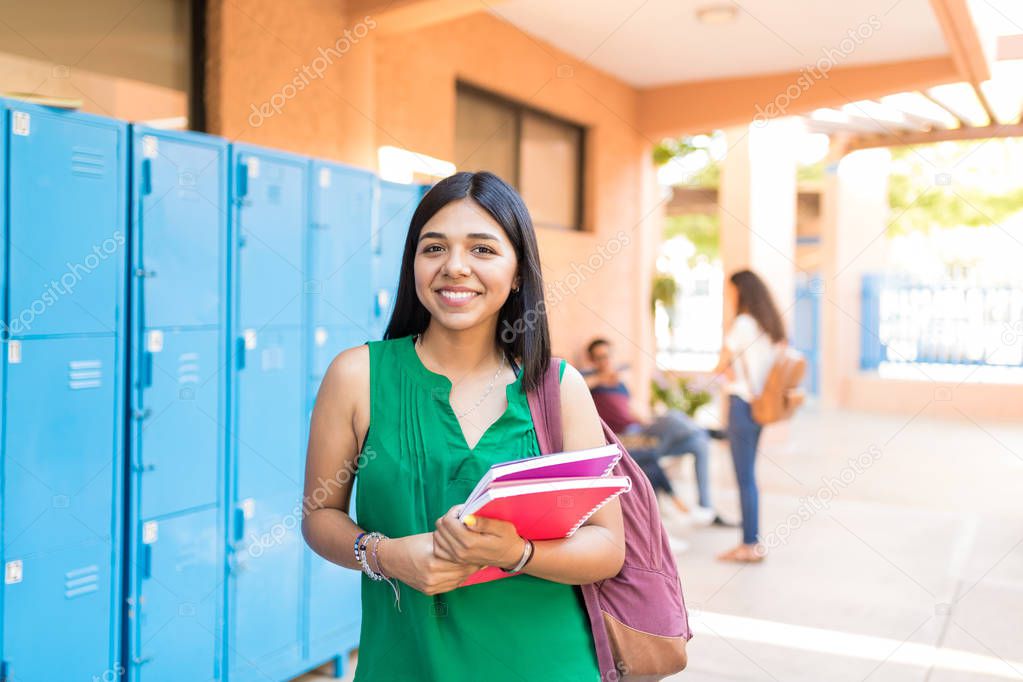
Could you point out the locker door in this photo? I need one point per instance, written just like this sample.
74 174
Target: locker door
342 249
67 216
270 404
181 194
182 426
335 604
180 263
3 351
272 198
397 203
265 533
61 462
177 620
266 633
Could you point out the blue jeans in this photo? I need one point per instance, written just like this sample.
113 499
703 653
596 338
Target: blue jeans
697 443
743 437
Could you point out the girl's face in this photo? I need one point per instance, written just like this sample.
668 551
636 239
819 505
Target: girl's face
465 266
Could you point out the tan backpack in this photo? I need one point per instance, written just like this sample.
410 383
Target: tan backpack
781 395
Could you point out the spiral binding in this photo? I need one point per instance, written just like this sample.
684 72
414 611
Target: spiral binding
598 506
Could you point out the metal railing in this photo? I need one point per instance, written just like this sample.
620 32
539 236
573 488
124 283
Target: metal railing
952 322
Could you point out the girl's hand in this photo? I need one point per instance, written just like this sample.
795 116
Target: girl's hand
413 561
489 542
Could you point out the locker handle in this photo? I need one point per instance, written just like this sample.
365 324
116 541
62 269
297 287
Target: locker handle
141 660
147 369
147 561
243 180
147 177
239 524
240 346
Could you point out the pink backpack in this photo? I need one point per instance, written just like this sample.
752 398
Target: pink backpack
639 620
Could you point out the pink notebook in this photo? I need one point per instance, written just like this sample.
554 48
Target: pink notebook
542 509
591 462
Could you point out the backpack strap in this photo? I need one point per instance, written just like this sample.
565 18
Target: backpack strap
545 407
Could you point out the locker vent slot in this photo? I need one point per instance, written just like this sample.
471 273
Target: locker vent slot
81 581
188 368
87 162
84 374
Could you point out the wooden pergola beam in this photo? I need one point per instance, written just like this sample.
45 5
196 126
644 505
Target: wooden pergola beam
921 122
963 122
985 103
966 133
963 39
698 106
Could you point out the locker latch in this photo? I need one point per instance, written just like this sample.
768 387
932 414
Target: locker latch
5 671
142 272
141 414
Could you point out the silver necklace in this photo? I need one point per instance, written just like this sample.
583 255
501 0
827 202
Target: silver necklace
490 387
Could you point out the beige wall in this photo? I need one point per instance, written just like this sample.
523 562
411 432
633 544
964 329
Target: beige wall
399 89
377 87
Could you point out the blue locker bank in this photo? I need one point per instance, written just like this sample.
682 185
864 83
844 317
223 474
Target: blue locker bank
65 235
170 304
265 546
178 412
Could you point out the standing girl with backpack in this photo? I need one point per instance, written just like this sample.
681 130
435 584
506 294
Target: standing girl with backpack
749 350
423 414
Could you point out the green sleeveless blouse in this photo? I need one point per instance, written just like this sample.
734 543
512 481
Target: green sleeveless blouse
415 465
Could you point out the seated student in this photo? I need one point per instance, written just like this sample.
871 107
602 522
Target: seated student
676 434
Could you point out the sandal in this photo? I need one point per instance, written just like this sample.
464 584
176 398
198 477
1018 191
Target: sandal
744 554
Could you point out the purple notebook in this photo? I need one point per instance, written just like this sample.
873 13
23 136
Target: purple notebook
579 463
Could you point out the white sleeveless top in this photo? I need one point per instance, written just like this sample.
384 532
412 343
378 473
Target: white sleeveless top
751 347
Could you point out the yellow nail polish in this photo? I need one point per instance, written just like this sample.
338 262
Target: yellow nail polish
470 520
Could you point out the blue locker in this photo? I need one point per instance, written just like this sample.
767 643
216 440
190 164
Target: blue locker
397 203
271 196
341 313
341 246
179 350
266 547
272 287
3 353
64 235
180 568
66 226
61 518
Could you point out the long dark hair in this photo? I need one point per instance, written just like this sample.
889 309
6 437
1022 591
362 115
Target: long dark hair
522 329
755 299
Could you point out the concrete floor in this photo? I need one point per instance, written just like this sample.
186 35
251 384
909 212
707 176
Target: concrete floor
906 564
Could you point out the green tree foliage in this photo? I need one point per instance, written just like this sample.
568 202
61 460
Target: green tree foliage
702 229
949 185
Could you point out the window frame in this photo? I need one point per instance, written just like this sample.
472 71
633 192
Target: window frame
519 110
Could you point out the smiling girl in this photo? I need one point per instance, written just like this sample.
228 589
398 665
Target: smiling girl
423 414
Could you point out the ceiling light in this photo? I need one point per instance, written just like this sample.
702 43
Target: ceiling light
716 14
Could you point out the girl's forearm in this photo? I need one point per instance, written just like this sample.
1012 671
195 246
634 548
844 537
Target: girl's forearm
331 533
589 555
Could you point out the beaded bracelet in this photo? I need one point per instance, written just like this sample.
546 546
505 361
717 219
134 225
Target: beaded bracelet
360 556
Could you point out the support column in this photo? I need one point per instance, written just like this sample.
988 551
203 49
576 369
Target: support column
854 218
757 203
